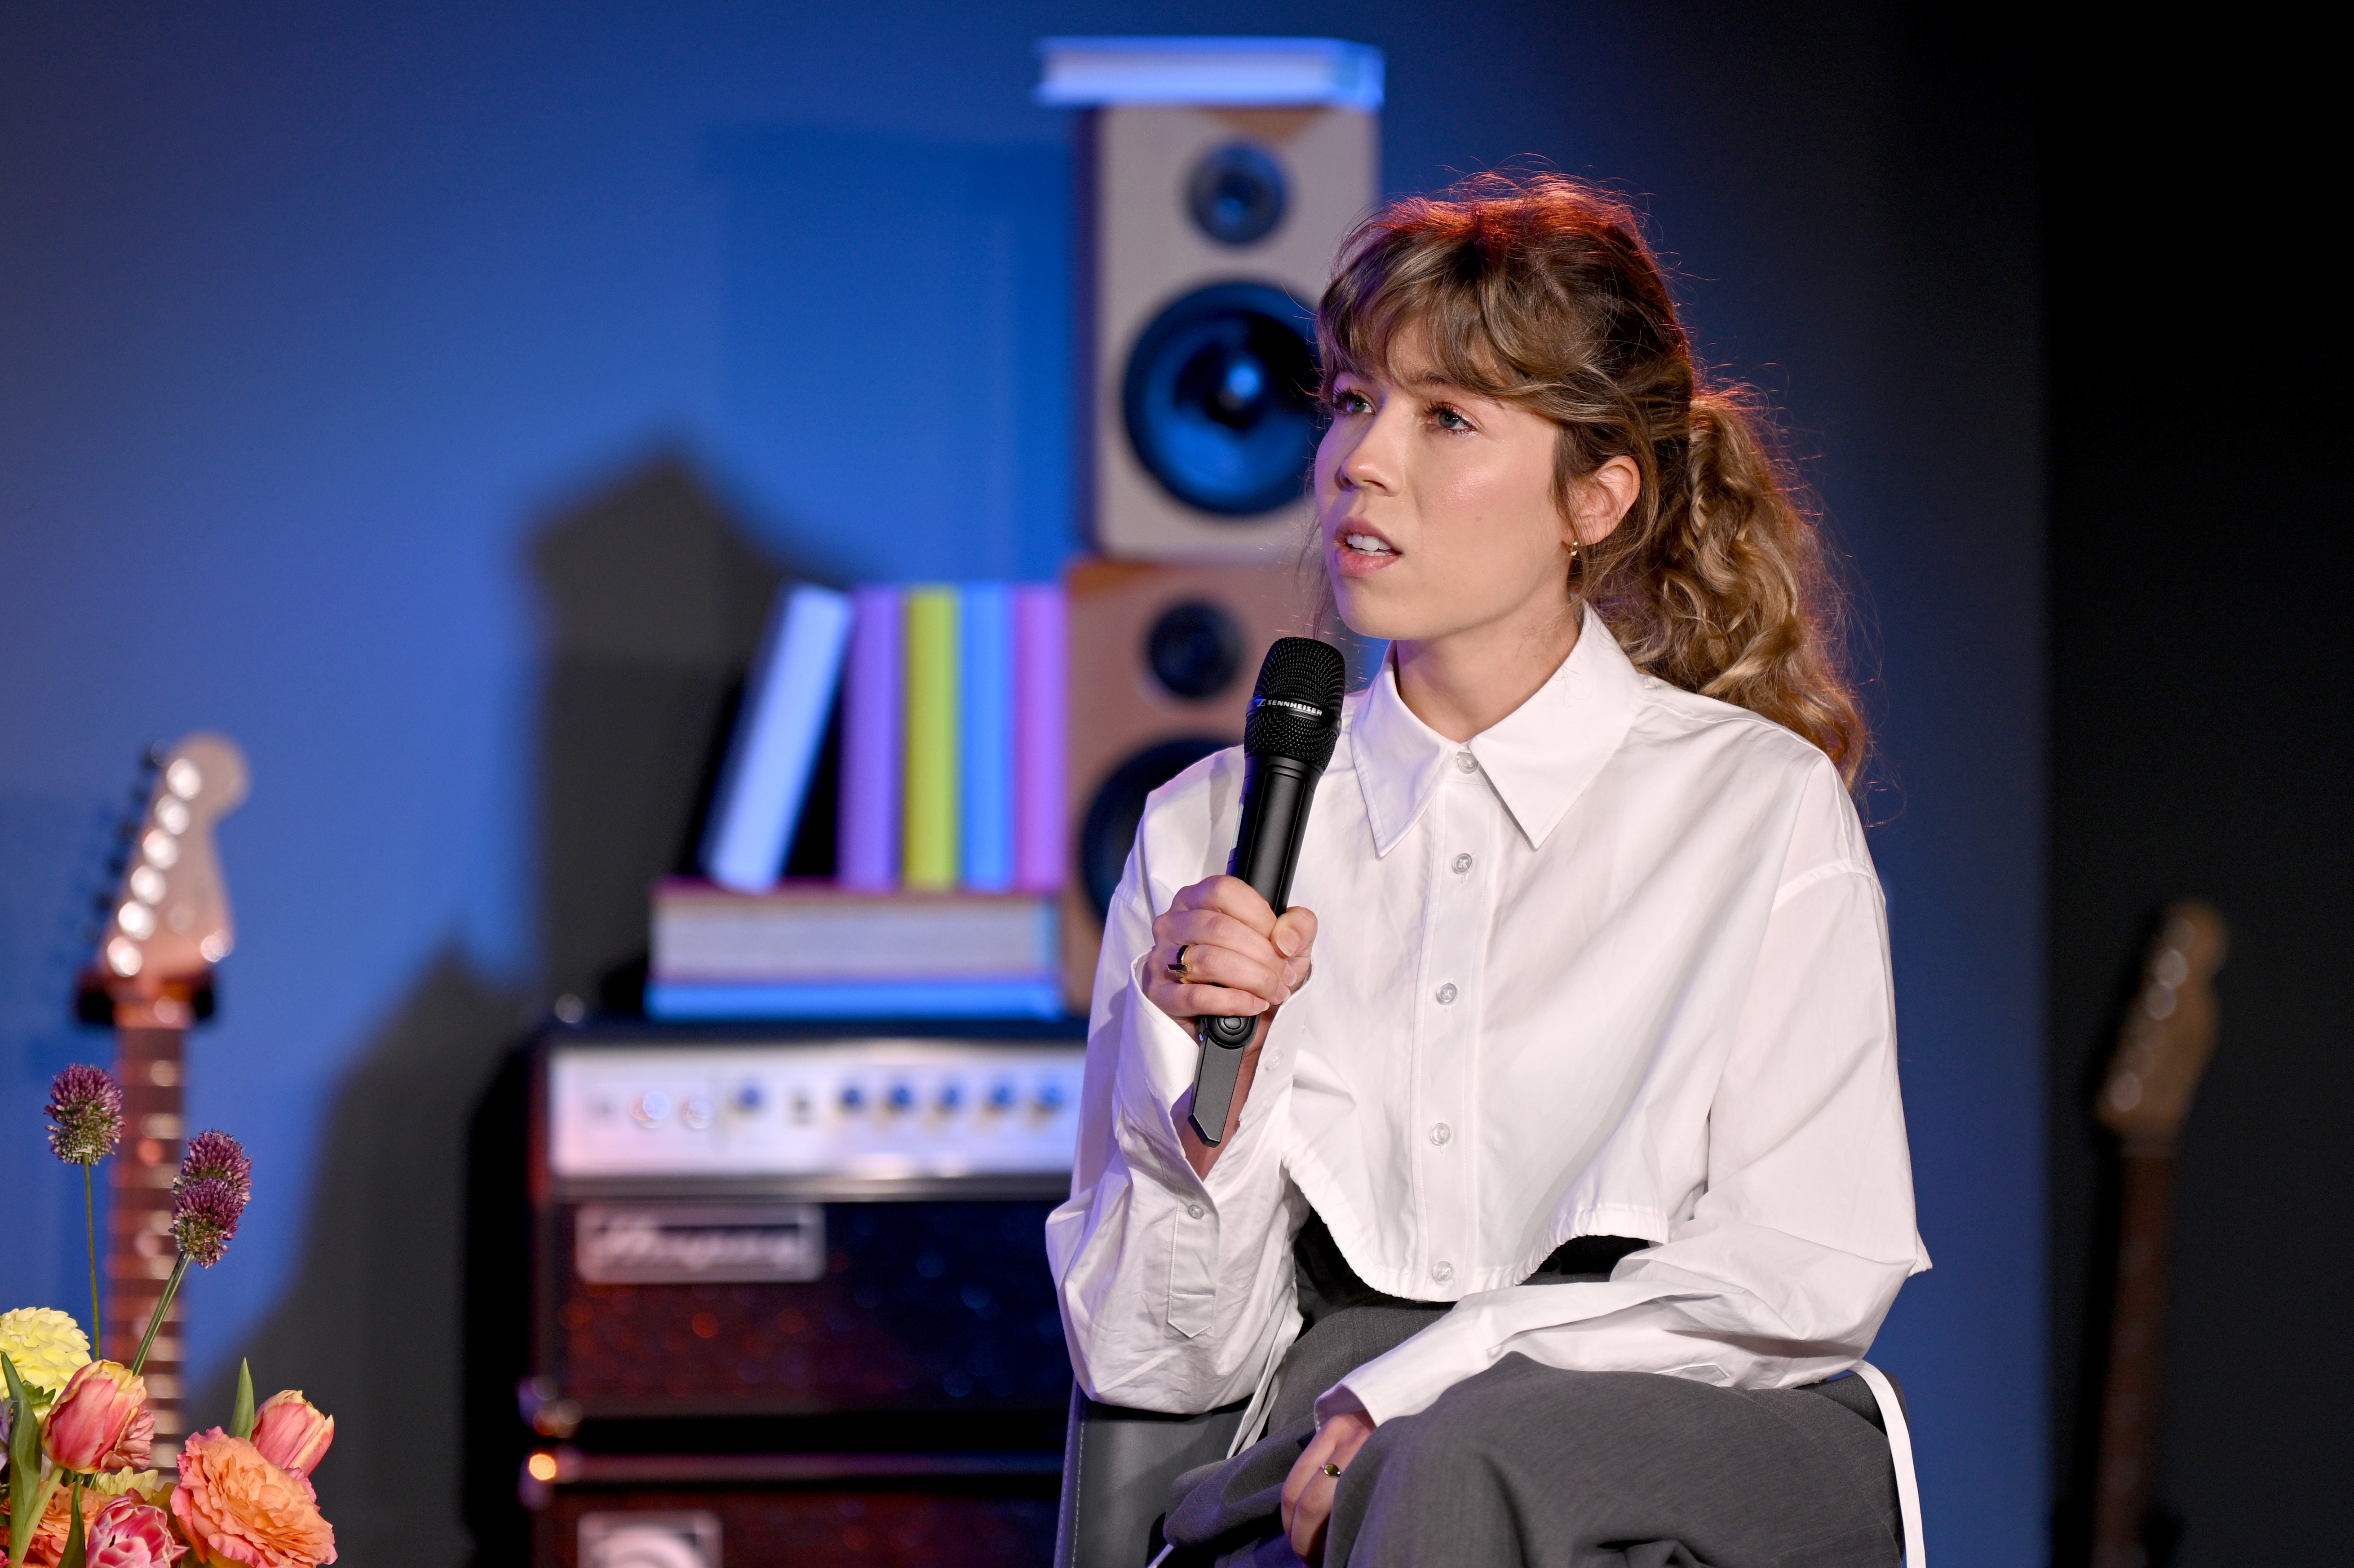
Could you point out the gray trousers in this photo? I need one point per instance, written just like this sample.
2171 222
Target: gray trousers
1527 1464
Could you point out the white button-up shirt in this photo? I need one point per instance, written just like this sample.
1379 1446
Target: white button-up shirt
1617 966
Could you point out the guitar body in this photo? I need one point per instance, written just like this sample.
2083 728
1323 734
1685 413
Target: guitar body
152 978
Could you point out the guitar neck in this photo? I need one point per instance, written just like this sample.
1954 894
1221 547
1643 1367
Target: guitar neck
139 1248
2136 1340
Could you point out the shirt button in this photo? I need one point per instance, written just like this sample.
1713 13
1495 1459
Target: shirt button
1193 1211
1466 763
1445 996
1442 1272
1441 1133
1462 864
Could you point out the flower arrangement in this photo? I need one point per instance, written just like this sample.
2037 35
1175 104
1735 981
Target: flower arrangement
75 1432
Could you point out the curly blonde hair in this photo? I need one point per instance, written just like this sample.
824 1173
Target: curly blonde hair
1540 290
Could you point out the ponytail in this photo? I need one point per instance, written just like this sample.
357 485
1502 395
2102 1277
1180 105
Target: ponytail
1735 600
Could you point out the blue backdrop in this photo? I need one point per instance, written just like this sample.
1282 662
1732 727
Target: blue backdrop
309 314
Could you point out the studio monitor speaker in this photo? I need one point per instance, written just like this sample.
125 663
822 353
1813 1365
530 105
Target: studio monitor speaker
1163 660
1207 235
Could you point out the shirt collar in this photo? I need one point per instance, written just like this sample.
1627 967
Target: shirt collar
1539 758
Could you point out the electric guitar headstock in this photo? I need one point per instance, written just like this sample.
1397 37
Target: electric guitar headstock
2167 1033
169 922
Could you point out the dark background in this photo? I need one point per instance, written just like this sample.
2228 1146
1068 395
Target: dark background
2200 568
427 395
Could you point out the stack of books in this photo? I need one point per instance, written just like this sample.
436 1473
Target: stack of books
818 950
951 840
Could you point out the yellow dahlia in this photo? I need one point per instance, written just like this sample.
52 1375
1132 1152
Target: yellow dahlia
47 1345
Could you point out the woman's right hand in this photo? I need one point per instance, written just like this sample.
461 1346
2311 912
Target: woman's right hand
1238 956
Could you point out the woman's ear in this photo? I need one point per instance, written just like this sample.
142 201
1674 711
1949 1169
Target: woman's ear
1602 499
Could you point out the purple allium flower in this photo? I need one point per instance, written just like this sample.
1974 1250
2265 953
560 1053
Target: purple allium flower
85 1114
204 1212
214 1155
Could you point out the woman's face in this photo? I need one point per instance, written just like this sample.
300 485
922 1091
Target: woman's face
1435 506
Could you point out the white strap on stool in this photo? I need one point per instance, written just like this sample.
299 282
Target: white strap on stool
1899 1448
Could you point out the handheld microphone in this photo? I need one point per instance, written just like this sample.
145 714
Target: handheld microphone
1295 719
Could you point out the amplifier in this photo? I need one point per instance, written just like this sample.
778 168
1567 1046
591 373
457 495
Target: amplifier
792 1299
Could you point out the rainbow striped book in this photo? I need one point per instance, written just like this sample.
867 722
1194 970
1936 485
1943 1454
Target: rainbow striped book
810 950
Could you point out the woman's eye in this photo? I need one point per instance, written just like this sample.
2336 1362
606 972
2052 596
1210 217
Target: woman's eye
1448 419
1351 403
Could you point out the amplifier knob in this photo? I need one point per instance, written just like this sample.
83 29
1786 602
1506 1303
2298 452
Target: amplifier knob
649 1107
1050 1096
951 1096
695 1111
1001 1097
901 1097
853 1097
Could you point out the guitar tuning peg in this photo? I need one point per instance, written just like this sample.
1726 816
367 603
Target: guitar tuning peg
152 759
93 1004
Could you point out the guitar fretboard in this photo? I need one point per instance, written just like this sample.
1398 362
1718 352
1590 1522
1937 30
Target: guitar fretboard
139 1250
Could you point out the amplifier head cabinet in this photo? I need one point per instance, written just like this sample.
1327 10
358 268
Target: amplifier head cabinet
805 1223
793 1301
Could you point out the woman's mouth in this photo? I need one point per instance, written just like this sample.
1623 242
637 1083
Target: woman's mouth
1362 552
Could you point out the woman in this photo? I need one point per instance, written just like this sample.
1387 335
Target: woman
1571 1161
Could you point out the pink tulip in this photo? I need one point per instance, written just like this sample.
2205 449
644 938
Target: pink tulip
134 1450
94 1415
292 1433
129 1533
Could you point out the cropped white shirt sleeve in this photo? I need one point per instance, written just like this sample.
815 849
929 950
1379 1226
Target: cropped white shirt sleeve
1617 966
1174 1288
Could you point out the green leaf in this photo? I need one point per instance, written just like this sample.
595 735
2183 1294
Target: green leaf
77 1552
24 1465
240 1418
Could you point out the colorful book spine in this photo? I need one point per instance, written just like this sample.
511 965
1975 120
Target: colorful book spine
873 764
1040 679
928 855
778 734
985 735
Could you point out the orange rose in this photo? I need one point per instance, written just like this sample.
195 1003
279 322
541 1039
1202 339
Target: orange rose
93 1415
49 1543
236 1507
292 1433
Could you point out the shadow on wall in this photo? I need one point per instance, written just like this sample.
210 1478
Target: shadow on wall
369 1328
653 603
408 1314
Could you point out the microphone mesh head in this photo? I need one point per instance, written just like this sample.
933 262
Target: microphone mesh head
1296 708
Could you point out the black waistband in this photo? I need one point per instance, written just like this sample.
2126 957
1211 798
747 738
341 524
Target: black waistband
1327 1283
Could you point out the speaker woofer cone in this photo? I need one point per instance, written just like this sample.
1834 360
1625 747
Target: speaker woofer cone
1236 194
1110 830
1220 399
